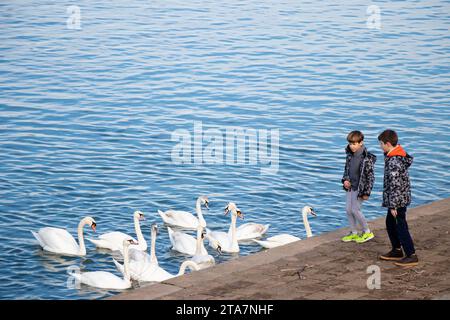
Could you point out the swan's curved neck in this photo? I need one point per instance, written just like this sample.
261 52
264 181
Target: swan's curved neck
126 262
234 242
192 265
198 249
306 223
82 247
153 258
198 209
140 237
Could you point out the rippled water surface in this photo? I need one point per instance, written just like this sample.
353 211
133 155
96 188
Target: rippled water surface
87 116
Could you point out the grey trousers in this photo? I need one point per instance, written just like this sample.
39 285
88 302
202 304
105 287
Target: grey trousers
354 214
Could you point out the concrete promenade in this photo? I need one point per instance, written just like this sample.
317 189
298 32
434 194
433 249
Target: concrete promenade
323 267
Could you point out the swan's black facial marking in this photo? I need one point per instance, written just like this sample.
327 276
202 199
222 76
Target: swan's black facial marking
131 241
227 210
219 250
141 216
206 204
313 212
93 226
240 214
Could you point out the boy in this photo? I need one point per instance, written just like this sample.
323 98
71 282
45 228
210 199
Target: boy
396 197
358 182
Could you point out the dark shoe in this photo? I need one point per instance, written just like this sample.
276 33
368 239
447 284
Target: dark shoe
393 255
410 261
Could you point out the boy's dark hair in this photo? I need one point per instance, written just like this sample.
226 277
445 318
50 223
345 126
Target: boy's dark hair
355 136
389 136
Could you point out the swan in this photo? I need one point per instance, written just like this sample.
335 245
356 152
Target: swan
107 280
114 240
60 241
200 258
283 239
140 260
186 243
158 274
186 219
226 242
250 230
146 268
138 255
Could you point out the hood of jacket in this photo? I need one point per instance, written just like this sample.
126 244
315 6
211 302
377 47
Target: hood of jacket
401 154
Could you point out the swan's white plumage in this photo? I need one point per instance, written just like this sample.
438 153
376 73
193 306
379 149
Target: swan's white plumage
103 280
277 241
111 240
114 240
183 242
107 280
182 219
56 240
283 239
250 230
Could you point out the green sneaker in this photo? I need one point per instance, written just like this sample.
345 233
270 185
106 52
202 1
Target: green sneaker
350 237
366 236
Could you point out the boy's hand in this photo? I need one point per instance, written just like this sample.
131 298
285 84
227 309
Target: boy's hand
347 184
365 197
394 213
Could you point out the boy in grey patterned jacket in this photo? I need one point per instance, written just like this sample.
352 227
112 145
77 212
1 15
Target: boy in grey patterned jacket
396 197
358 181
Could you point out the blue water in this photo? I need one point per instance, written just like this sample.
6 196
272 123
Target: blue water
87 116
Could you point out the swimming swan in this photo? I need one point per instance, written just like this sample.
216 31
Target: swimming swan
186 219
200 258
158 274
250 230
283 239
226 242
145 268
185 243
107 280
60 241
114 240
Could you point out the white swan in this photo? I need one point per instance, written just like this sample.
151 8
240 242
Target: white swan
142 256
141 260
158 274
60 241
200 258
114 240
223 241
145 268
186 219
250 230
185 243
107 280
283 239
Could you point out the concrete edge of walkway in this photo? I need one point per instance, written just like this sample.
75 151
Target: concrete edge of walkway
198 278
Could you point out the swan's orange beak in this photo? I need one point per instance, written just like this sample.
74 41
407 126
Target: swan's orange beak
93 226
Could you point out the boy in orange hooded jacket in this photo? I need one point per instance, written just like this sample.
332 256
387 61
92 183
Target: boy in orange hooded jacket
396 197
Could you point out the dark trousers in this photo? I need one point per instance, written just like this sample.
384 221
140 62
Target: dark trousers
397 229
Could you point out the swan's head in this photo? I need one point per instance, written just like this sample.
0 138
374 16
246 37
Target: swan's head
203 234
128 242
155 228
138 215
309 210
91 222
234 210
204 201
